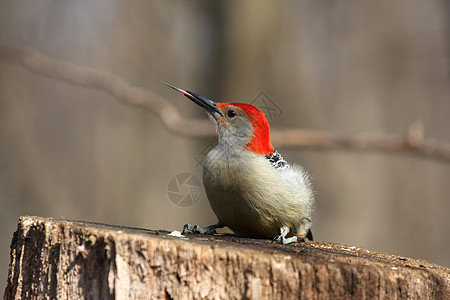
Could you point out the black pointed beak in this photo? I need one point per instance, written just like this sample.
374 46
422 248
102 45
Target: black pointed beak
209 105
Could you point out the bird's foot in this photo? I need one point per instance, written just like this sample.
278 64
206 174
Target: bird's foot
278 239
211 229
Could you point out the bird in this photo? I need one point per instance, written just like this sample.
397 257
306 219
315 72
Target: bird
250 187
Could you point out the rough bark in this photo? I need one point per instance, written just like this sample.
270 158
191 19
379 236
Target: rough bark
77 260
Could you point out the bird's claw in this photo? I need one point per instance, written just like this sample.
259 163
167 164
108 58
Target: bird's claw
198 230
278 239
189 228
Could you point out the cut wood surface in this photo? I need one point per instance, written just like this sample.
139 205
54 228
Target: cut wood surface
63 259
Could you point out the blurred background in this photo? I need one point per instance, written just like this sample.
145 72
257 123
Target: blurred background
72 152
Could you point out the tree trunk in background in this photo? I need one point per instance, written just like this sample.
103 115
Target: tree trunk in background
77 260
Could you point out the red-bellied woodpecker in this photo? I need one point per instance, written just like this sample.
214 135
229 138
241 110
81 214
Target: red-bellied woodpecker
249 185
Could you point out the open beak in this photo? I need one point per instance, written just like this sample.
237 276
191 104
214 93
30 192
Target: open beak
209 105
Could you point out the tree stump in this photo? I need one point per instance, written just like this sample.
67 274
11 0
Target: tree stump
63 259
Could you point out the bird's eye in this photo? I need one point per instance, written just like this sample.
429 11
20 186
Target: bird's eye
231 113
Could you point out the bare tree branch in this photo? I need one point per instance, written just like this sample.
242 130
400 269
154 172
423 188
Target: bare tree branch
58 69
412 143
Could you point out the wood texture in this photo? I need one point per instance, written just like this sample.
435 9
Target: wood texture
77 260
